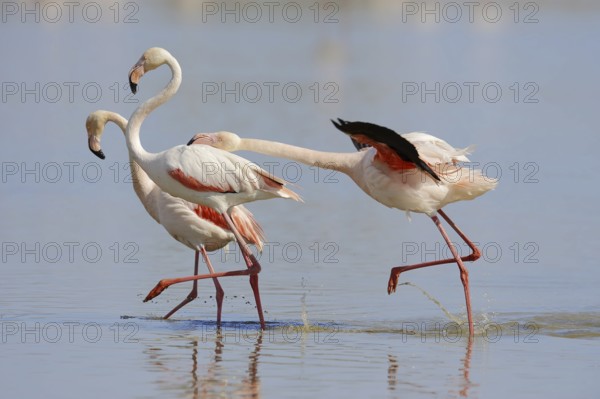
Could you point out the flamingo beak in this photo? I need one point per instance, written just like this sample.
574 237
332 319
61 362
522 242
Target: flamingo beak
135 74
94 146
201 138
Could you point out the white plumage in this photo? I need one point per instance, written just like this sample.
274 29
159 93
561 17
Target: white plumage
181 170
383 174
199 228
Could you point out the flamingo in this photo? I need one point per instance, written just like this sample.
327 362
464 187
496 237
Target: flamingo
395 170
197 227
200 174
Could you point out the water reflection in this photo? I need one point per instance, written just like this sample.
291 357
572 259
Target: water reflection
251 384
208 376
392 372
464 383
466 380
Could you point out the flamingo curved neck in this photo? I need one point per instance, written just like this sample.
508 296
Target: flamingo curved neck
142 184
140 155
342 162
118 120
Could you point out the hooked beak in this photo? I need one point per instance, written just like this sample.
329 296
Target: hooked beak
94 146
191 141
201 138
135 74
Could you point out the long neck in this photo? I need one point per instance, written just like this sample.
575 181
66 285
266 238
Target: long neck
135 122
143 186
342 162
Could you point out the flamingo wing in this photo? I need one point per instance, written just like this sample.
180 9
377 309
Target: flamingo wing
392 148
437 151
248 226
206 169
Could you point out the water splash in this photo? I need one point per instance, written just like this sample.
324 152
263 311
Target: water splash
304 313
434 300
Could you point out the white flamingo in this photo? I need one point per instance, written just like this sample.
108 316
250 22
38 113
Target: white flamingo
200 174
397 171
197 227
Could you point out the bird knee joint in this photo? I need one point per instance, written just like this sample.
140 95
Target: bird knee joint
476 254
255 269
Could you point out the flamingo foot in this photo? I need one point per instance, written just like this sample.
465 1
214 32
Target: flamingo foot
189 298
393 281
157 290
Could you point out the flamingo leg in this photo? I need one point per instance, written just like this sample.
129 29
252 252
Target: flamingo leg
219 290
253 268
193 293
252 263
475 254
166 283
248 258
464 275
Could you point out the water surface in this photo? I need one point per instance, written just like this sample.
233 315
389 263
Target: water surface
79 253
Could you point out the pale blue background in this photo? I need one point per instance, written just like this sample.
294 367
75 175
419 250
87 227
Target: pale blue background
536 284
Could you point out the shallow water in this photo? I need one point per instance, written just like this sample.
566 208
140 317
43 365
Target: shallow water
79 253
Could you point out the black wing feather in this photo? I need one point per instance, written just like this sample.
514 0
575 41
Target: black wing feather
404 148
359 146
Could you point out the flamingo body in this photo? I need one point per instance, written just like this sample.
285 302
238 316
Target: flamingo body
198 174
415 172
181 171
200 228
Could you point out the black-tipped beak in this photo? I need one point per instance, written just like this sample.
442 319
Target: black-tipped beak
99 153
135 74
191 141
133 86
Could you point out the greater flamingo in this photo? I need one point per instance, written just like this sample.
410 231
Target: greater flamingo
200 174
195 226
397 171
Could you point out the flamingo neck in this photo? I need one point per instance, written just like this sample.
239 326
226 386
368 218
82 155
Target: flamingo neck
142 184
342 162
117 120
140 155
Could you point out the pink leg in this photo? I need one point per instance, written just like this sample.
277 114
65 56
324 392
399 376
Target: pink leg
166 283
464 275
252 271
193 293
476 254
252 263
219 290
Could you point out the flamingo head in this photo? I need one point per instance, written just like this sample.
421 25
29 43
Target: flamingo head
151 59
94 124
225 141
